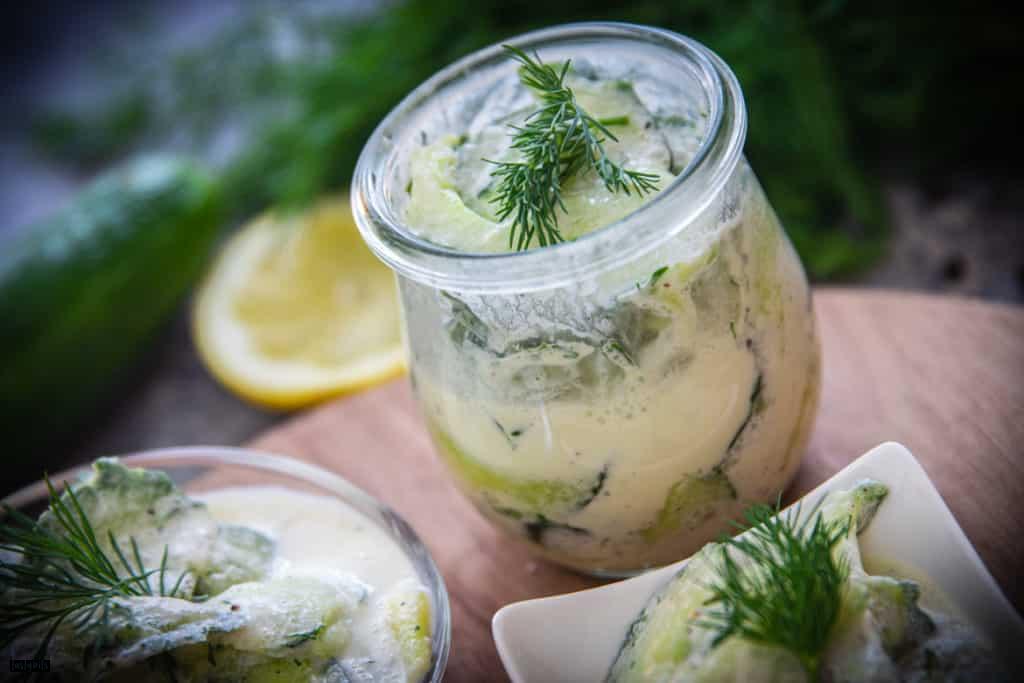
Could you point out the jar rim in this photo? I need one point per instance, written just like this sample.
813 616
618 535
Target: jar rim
631 236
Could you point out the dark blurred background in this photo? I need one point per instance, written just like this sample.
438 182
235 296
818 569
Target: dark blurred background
885 133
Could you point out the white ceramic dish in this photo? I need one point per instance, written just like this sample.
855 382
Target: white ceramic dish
575 637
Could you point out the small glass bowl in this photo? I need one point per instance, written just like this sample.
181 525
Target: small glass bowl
198 469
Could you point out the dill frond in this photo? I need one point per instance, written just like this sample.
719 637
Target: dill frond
780 583
556 141
66 575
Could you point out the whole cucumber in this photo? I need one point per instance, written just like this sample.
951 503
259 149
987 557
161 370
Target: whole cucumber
83 292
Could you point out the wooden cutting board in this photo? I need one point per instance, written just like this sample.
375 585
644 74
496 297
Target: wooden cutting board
943 376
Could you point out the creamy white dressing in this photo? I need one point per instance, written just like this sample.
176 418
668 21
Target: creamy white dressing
323 538
313 535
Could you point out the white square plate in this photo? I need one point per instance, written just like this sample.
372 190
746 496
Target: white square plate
575 637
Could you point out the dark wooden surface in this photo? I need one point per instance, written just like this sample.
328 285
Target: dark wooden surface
944 376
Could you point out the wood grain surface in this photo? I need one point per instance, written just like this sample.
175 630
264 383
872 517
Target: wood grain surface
943 376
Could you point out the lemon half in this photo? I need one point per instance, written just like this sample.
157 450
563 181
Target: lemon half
296 309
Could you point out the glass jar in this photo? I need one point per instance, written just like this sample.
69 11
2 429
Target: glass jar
614 400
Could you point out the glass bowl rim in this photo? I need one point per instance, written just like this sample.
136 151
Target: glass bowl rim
330 483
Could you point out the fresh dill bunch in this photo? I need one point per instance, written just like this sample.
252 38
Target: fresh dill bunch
66 575
787 589
556 141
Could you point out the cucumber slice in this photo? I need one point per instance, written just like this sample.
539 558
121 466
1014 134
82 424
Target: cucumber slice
407 613
290 617
742 661
141 628
527 497
283 670
435 208
754 406
239 555
145 505
662 637
689 502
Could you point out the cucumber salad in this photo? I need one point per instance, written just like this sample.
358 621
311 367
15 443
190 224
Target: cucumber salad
617 424
790 601
126 578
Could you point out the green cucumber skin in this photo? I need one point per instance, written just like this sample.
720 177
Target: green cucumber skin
84 291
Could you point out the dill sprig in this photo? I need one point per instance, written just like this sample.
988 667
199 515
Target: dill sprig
556 141
788 587
66 575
